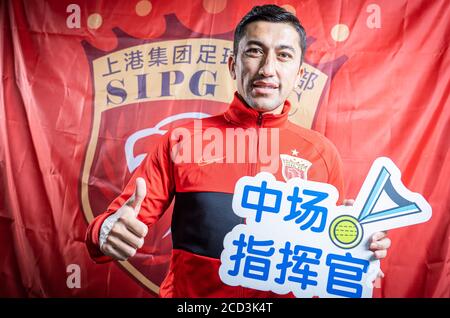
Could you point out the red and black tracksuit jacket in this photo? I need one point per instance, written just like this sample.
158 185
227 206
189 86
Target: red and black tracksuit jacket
203 192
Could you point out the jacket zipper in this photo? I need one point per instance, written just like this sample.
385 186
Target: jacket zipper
255 165
258 126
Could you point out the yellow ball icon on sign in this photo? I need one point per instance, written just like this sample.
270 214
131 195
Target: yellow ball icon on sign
346 232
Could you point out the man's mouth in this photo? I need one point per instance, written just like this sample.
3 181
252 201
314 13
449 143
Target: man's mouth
263 87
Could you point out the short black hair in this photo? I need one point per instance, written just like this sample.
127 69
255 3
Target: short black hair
269 13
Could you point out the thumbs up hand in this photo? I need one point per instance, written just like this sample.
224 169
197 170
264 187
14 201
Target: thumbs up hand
127 232
138 197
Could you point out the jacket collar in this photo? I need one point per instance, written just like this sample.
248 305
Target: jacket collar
242 115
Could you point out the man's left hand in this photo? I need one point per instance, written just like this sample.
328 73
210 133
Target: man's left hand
379 244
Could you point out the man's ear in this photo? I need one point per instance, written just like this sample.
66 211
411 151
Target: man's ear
232 66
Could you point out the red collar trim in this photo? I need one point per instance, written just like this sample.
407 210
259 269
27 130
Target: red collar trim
241 114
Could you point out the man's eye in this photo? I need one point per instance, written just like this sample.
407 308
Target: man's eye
285 55
254 51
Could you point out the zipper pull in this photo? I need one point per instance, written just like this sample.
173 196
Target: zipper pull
260 118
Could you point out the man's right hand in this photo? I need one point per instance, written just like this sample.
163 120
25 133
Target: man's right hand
128 233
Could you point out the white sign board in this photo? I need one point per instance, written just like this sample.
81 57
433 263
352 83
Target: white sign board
295 238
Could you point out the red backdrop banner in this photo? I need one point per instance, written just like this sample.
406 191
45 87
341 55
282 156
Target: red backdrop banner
89 87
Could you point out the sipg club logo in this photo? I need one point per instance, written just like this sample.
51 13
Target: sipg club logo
144 87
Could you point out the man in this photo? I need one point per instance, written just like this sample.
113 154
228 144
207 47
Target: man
269 46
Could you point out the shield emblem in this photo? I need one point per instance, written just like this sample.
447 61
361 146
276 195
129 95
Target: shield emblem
141 89
294 167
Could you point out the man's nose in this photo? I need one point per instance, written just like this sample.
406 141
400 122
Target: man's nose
267 68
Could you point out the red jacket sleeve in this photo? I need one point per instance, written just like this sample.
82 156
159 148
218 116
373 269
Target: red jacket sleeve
157 171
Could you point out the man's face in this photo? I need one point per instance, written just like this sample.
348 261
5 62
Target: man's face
267 65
